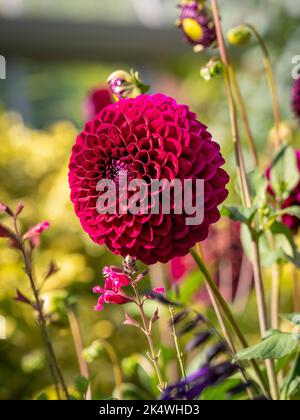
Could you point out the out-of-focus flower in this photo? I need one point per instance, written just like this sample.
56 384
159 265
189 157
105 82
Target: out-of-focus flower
180 267
195 384
126 85
296 98
5 209
240 35
97 100
151 138
34 233
196 24
112 292
293 199
159 290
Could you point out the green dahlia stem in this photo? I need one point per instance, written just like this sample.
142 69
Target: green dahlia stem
271 80
53 364
153 355
275 295
246 198
224 328
244 116
296 289
176 343
117 371
225 308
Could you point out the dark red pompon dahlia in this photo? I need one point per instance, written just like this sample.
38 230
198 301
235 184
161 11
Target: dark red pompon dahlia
148 138
296 98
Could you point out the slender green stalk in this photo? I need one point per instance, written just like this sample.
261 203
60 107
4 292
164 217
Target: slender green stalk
176 343
296 289
116 367
75 330
275 295
246 198
54 367
225 308
271 80
244 116
153 355
228 338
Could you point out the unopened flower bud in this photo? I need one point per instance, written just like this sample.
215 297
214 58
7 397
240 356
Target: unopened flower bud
240 35
126 85
212 69
196 24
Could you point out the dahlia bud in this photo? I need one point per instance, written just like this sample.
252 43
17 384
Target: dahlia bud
212 69
240 35
126 85
196 24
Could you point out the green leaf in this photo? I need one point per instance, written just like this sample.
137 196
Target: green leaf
267 256
291 385
81 385
293 318
258 186
190 286
239 214
292 211
284 174
43 397
275 345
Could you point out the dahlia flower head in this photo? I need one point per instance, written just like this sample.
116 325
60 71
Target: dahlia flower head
150 137
296 98
196 24
292 222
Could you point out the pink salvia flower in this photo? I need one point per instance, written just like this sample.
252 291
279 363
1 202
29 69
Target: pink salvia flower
159 290
112 292
33 235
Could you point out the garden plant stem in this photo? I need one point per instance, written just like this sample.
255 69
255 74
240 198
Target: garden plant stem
75 330
41 318
271 80
259 287
244 116
176 343
275 295
116 367
296 289
154 356
225 308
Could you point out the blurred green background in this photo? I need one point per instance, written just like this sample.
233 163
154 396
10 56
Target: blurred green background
56 52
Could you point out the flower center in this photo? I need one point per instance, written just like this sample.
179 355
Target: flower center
117 170
192 29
